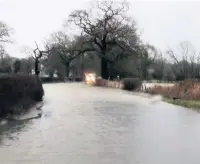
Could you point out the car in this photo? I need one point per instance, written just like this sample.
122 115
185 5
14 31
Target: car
90 78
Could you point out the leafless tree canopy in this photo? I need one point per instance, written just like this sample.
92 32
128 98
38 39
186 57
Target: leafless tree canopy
2 51
185 60
107 26
67 48
4 38
111 26
4 33
37 55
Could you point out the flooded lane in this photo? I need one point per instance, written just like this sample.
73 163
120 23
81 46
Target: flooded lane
89 125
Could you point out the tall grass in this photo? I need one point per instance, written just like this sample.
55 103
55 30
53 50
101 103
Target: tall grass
107 83
186 90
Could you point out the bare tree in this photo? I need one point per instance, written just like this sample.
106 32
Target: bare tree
158 66
148 54
2 52
4 33
110 28
184 59
68 49
5 61
197 66
17 66
37 55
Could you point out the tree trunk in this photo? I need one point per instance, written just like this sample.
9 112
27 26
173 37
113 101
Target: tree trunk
67 69
82 68
37 71
104 69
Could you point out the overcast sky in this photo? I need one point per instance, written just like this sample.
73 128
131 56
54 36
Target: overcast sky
162 23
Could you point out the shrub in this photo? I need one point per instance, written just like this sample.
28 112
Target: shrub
131 84
78 79
19 91
59 79
51 79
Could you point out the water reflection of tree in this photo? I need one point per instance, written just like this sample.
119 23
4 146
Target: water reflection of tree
12 129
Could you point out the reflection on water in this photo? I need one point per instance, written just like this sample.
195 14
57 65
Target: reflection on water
11 129
90 125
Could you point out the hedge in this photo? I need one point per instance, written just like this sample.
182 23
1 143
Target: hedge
18 93
131 84
57 79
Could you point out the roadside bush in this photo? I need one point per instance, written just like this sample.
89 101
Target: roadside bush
18 93
51 79
131 84
59 79
78 79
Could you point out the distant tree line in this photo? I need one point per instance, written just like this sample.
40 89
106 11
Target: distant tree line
108 44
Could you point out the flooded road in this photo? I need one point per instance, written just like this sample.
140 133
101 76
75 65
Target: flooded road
88 125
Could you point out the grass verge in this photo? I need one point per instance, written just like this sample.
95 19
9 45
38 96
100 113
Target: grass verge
194 104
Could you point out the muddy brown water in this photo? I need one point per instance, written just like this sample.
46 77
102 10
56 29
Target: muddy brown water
88 125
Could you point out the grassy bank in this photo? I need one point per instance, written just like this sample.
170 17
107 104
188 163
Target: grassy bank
185 103
18 93
186 93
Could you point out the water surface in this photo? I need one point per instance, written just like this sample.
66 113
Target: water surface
87 125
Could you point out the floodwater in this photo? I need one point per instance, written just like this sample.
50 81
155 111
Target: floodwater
88 125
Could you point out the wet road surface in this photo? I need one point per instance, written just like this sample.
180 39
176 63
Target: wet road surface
88 125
